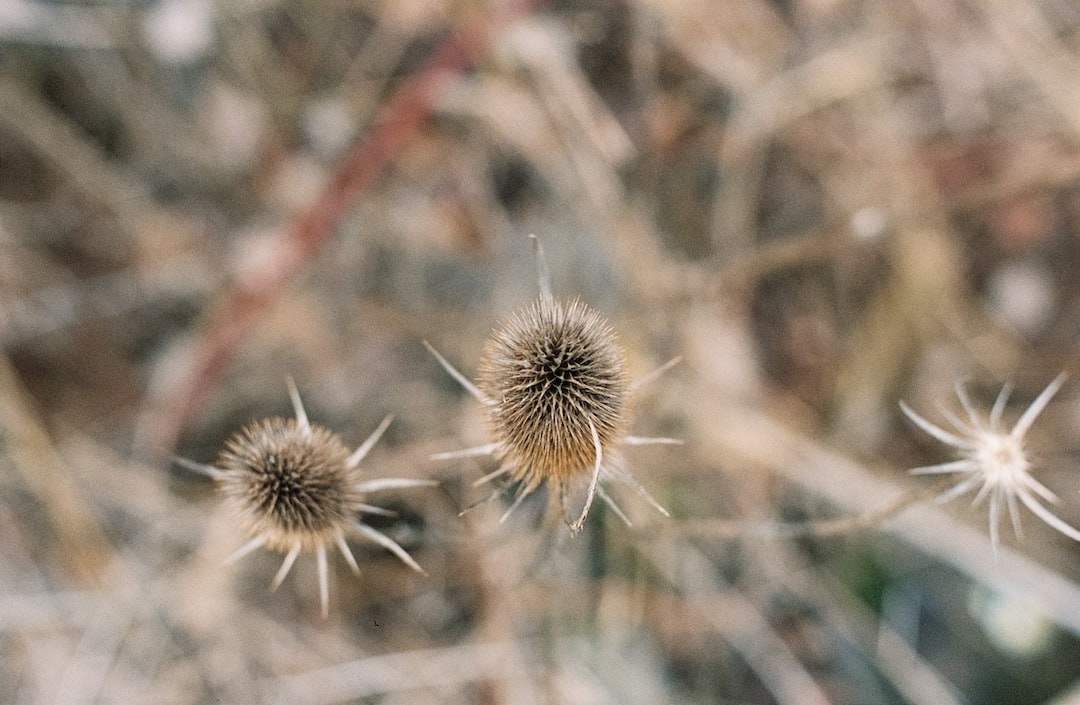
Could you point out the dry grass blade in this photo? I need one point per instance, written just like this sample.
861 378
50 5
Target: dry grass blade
403 671
80 541
740 623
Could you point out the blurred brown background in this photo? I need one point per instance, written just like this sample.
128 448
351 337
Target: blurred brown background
823 206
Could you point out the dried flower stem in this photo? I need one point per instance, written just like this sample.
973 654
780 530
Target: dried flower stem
817 528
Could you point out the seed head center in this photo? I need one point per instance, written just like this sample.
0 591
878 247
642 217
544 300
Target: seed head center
557 375
290 482
1001 459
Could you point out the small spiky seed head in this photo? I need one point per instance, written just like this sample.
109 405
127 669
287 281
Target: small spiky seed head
290 485
995 460
296 488
553 374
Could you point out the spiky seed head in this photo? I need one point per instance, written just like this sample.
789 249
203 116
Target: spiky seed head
289 484
995 460
296 487
555 394
552 374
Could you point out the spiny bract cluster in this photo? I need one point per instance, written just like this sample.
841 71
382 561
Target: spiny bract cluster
296 487
556 397
994 459
287 485
556 379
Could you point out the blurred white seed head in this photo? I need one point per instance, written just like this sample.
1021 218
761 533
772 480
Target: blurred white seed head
995 460
556 400
297 488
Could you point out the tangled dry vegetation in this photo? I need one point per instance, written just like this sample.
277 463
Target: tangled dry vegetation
824 207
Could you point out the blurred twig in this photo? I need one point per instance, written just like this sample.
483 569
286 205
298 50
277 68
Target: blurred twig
178 394
82 544
424 668
1033 44
820 528
90 172
739 622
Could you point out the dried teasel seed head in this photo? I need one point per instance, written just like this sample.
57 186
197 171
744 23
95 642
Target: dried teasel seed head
556 398
297 488
289 485
556 377
995 459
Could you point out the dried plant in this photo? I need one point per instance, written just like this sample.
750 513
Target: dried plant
994 459
822 207
297 488
555 393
